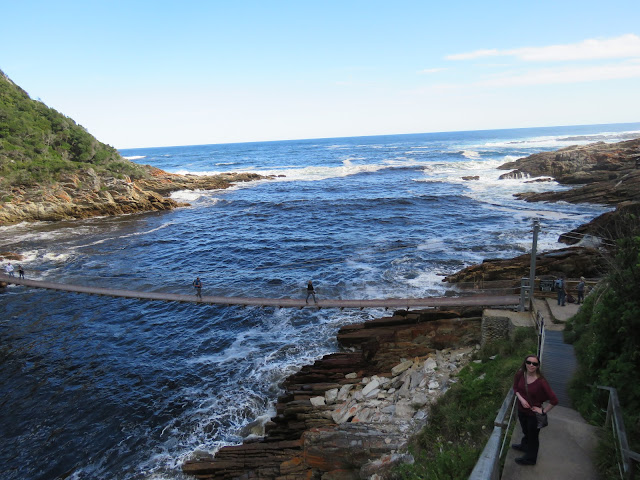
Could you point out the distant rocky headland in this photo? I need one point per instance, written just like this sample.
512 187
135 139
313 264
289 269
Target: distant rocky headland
86 193
600 173
51 168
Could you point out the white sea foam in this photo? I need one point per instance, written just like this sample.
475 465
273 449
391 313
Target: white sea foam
315 173
56 257
136 157
134 234
470 154
435 245
428 282
559 141
193 196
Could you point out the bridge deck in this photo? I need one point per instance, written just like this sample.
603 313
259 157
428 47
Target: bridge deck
476 300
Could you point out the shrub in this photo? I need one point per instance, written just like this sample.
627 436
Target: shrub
39 144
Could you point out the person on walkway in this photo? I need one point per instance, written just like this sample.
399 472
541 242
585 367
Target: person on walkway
580 288
197 283
20 272
562 291
9 269
532 391
311 291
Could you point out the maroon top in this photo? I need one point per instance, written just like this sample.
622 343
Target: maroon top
539 392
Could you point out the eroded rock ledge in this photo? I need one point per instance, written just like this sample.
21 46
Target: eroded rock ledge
350 414
604 173
601 173
86 194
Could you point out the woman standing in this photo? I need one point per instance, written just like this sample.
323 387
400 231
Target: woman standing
532 390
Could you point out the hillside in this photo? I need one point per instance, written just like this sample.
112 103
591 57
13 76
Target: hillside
39 144
52 169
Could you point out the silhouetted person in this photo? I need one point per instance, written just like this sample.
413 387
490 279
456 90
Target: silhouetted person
580 289
20 272
198 286
311 291
562 291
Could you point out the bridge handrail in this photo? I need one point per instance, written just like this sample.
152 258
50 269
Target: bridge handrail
614 418
468 300
488 465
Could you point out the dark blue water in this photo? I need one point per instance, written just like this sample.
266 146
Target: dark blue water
112 388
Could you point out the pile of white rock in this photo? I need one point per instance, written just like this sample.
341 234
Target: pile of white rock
398 399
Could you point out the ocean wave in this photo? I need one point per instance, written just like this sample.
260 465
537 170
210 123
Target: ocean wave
193 196
559 141
470 154
134 234
135 157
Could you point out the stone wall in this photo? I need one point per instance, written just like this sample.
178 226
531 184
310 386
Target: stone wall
495 327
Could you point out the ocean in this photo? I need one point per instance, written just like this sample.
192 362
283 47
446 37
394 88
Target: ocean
95 387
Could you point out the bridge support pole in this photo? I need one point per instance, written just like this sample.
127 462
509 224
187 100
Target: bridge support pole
534 251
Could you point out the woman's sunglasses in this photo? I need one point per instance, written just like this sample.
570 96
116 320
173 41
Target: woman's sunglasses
535 364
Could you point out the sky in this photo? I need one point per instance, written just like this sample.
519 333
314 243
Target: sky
162 73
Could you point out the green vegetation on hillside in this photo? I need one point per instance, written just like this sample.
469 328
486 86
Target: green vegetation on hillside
461 421
606 337
39 144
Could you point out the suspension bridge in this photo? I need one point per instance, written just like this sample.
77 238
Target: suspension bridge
470 300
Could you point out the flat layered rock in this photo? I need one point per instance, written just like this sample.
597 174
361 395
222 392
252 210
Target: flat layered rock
351 412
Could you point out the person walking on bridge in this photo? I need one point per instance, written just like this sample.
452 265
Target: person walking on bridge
532 390
9 269
197 283
310 291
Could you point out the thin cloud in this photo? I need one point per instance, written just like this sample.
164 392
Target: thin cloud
625 46
428 71
549 76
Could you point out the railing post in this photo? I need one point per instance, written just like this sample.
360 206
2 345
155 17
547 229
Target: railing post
614 417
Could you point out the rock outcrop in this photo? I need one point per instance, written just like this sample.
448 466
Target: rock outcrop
350 415
572 262
86 194
601 173
604 173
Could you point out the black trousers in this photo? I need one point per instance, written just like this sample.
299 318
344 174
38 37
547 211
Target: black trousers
530 432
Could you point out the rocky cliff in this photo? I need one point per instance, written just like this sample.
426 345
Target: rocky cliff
601 173
351 414
605 173
85 193
51 168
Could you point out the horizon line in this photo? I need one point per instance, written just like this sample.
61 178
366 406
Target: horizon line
377 135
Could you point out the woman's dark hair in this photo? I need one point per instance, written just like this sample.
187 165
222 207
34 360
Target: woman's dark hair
523 367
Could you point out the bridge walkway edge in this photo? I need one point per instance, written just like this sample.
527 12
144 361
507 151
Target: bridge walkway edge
475 300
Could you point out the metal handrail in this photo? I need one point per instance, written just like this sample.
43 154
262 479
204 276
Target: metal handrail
487 466
614 418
